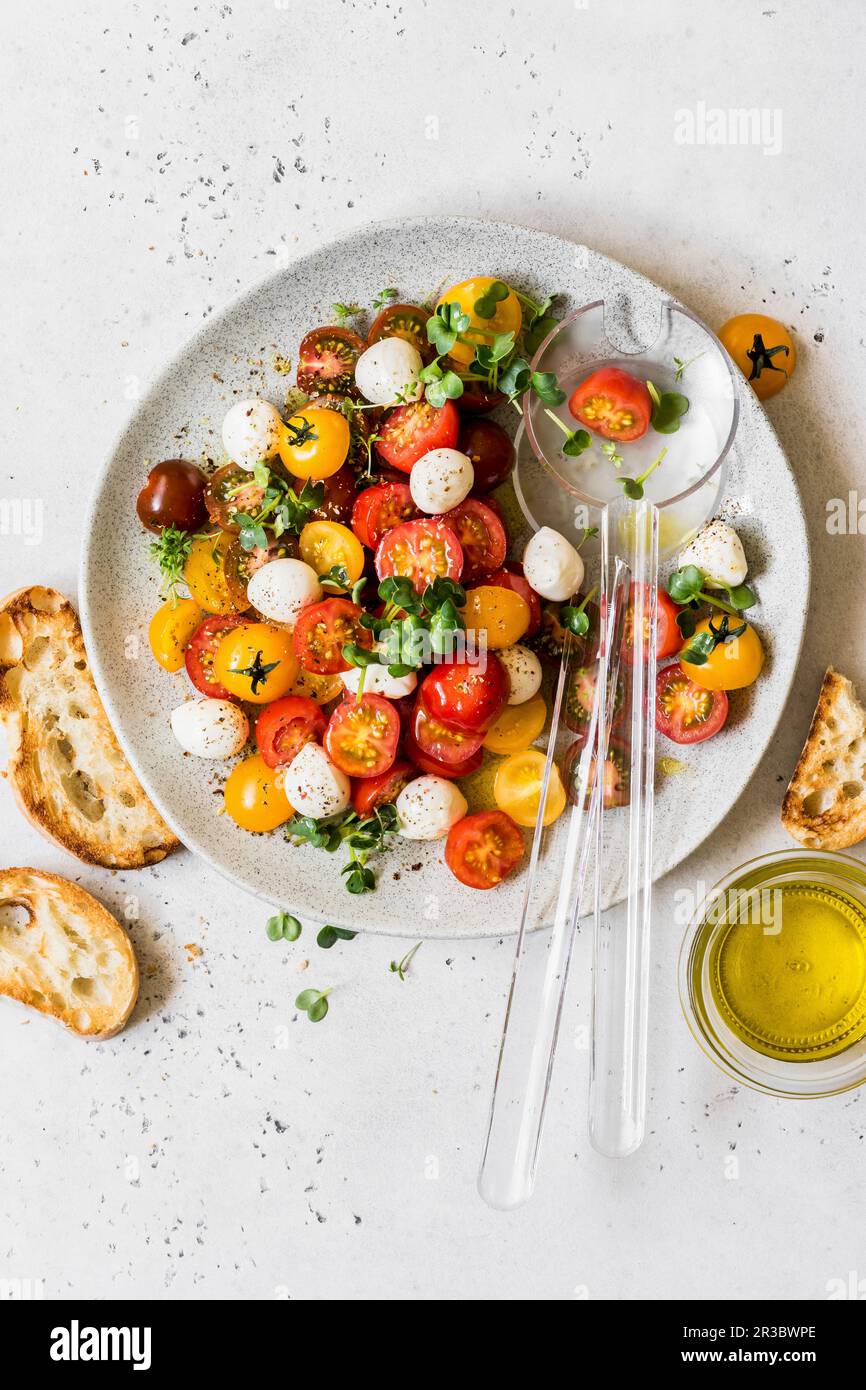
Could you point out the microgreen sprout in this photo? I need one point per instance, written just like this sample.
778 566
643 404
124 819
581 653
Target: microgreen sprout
576 441
313 1003
680 366
575 618
329 936
171 553
363 836
384 297
399 967
485 307
610 451
633 487
668 407
688 586
283 927
342 312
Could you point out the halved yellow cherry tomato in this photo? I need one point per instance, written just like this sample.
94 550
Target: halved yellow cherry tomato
315 443
507 317
498 616
254 797
517 788
517 727
763 349
324 544
732 664
322 689
170 629
256 662
204 573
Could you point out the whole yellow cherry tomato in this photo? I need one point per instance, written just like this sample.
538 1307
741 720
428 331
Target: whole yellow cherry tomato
324 544
256 662
205 576
507 317
315 443
170 629
731 664
763 349
517 788
496 616
517 727
254 797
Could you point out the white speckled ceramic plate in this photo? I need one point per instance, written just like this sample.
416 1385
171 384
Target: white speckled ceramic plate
182 415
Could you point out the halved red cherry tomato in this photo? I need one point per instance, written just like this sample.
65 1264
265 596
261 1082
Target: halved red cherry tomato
326 361
231 490
201 651
404 321
511 577
481 536
490 450
362 735
669 639
467 694
685 712
445 743
379 509
413 430
481 850
323 629
425 762
580 697
615 778
370 792
285 726
421 551
613 403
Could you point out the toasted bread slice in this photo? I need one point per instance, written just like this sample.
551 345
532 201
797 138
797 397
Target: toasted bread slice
62 953
825 804
65 764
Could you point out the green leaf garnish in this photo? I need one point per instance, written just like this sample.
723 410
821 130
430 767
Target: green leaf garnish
399 967
329 936
384 297
313 1003
171 552
283 927
668 407
485 307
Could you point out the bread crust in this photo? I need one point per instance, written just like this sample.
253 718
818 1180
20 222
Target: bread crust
94 807
825 804
71 960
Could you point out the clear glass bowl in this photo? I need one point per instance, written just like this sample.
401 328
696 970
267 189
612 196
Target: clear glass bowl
816 1077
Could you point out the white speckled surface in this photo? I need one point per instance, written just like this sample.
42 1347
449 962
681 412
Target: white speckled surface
219 1146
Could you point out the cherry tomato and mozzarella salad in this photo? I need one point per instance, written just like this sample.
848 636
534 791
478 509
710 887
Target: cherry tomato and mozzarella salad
340 594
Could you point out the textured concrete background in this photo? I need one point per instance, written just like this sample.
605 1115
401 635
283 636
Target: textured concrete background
160 160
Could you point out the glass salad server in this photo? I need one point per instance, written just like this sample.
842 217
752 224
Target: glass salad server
676 495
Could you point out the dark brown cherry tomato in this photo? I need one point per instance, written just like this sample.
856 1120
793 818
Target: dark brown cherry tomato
229 491
481 536
615 778
467 694
490 450
340 492
362 735
323 630
201 650
240 565
285 726
326 361
173 496
482 849
416 429
406 321
685 712
370 792
379 509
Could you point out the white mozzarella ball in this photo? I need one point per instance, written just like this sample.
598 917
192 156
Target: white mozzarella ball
524 673
251 431
387 370
377 681
281 588
313 785
428 807
440 480
552 566
210 728
718 552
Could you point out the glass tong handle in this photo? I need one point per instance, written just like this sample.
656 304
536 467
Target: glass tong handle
621 940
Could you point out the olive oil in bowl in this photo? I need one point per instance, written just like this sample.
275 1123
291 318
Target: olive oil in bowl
773 973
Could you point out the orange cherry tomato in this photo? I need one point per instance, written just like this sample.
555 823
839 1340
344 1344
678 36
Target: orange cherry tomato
315 442
517 727
171 627
499 617
763 349
205 574
506 318
732 663
256 662
254 796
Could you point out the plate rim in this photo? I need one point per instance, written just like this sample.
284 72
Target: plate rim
87 553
